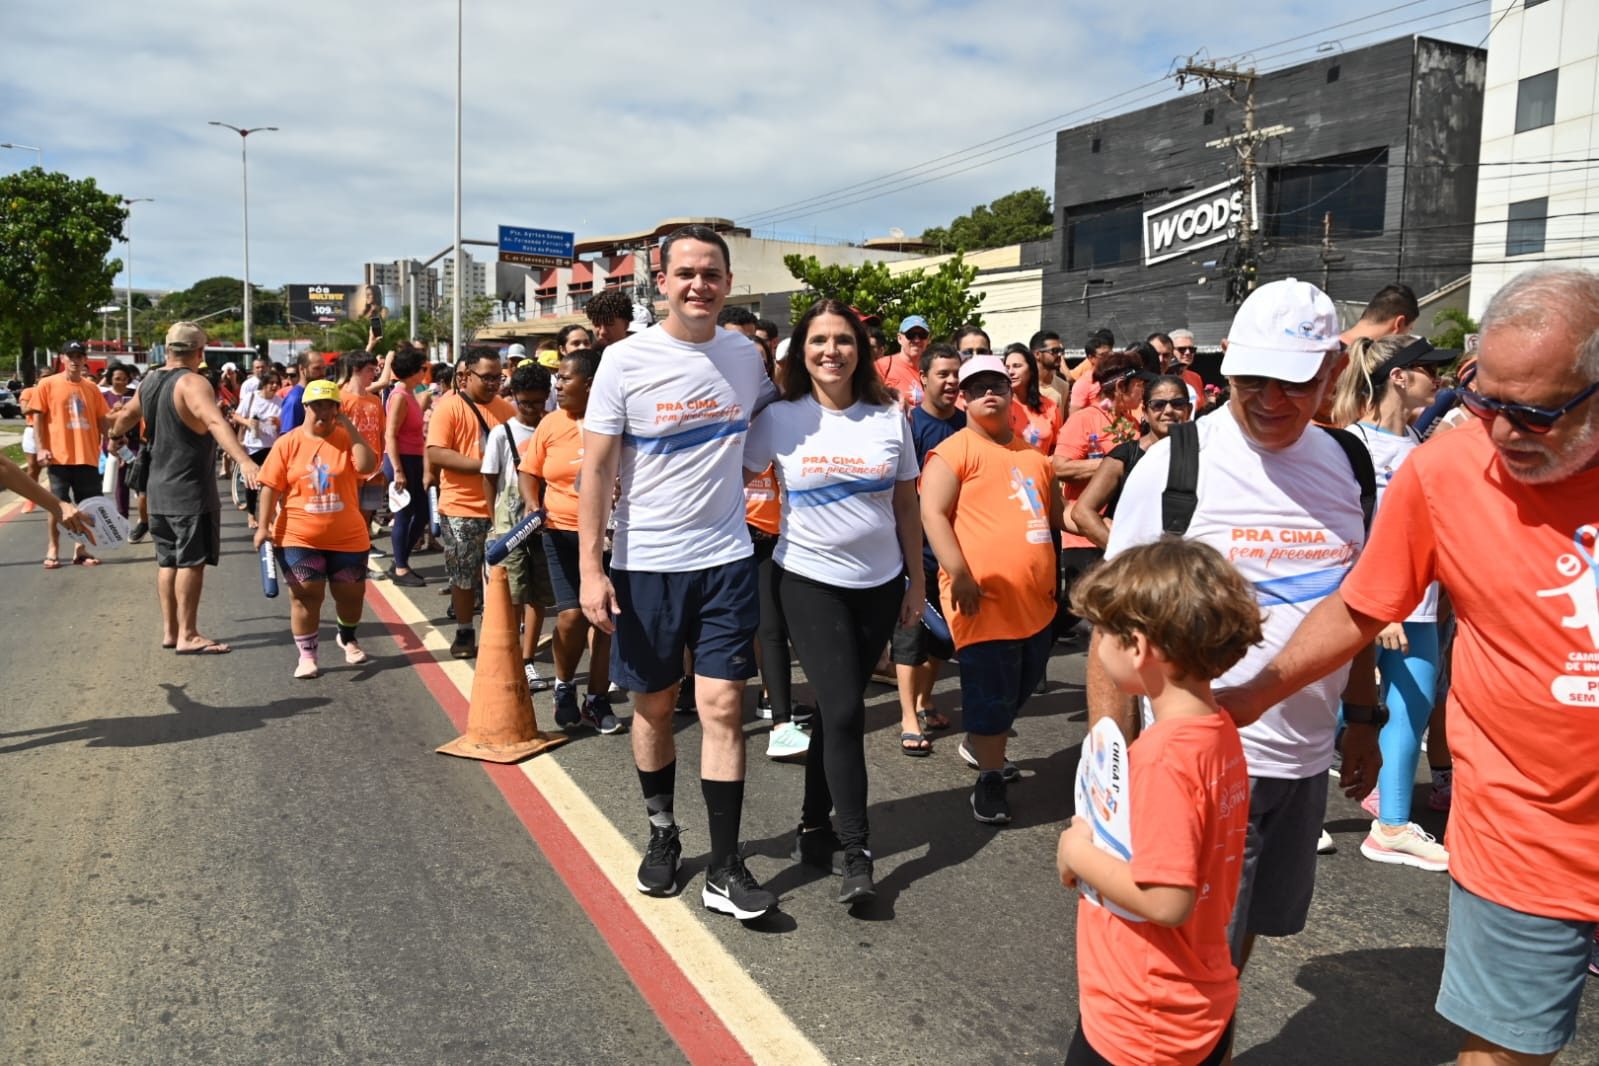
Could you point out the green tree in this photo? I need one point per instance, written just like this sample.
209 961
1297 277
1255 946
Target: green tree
476 314
55 234
1452 325
944 297
1011 219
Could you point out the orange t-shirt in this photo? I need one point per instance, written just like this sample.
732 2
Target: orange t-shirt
27 402
453 425
1518 561
319 490
1036 428
555 454
898 374
1002 525
1073 443
72 414
761 506
1151 993
366 414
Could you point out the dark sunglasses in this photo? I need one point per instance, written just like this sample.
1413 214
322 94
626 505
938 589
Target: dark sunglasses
984 388
1161 405
1052 351
1184 348
976 351
1296 389
1526 417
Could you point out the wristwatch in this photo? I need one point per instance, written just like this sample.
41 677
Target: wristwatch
1375 714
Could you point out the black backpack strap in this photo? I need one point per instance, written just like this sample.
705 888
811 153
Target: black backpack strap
1180 498
1366 474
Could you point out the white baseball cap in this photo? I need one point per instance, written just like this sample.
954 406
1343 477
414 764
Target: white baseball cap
643 318
782 350
1283 330
516 351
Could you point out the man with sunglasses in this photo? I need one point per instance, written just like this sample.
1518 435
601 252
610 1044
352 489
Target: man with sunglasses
457 434
1049 351
1183 350
1519 488
1279 498
902 371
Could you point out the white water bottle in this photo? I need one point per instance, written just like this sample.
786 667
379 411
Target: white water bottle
433 508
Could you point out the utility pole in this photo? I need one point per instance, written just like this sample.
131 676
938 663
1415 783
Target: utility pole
1327 258
1239 85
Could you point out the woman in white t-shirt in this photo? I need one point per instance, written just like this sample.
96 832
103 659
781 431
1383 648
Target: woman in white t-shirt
1385 384
260 414
850 532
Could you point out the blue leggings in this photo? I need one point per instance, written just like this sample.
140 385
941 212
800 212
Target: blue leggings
1409 681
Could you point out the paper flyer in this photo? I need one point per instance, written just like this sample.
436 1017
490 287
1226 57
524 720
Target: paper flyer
1102 798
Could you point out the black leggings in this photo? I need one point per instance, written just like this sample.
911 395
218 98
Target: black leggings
411 522
253 496
838 633
772 636
1082 1053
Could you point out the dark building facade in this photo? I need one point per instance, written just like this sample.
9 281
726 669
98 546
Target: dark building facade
1384 139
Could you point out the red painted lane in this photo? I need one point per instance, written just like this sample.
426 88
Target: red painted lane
690 1021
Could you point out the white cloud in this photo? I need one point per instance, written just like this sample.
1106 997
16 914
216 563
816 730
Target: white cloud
596 118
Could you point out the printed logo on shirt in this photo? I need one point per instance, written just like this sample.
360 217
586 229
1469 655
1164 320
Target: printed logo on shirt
77 413
1025 491
1579 686
323 499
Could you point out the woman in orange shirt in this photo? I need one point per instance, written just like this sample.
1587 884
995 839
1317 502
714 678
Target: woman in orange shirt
549 470
315 472
1034 415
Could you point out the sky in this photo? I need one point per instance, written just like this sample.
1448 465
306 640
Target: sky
597 119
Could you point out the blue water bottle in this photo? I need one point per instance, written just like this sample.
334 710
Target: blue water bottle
497 550
269 571
433 509
1093 447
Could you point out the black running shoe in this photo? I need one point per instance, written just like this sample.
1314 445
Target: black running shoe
597 714
857 887
988 799
820 848
657 874
734 890
463 647
567 712
685 697
138 533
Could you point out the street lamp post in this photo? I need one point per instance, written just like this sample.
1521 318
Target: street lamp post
244 159
127 235
38 153
455 288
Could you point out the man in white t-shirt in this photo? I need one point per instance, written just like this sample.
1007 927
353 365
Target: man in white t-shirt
668 412
1278 498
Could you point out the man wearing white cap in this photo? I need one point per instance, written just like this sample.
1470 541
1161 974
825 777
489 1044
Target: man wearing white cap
1282 501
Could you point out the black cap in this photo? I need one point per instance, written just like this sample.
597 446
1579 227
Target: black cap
75 348
1417 353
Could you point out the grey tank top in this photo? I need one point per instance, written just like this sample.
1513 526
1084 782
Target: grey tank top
183 463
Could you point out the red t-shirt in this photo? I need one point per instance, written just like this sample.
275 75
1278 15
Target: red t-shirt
898 374
1518 561
1154 994
1036 428
1089 433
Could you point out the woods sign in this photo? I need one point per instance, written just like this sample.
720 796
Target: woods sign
1202 218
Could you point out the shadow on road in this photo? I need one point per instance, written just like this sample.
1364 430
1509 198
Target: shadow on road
186 720
1393 981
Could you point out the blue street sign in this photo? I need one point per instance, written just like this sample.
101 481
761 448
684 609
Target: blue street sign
521 244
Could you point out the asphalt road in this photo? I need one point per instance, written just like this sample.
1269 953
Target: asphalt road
206 861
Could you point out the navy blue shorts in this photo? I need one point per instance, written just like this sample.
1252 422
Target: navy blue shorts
997 676
560 556
713 613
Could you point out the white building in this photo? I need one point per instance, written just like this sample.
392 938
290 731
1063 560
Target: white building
1537 191
474 282
392 277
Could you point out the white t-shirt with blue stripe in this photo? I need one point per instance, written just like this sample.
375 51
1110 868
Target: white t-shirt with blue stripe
682 411
837 471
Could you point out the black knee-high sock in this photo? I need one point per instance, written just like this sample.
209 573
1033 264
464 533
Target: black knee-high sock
658 786
724 806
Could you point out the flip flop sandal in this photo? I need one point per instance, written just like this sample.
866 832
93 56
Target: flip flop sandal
86 560
931 721
215 647
52 564
916 752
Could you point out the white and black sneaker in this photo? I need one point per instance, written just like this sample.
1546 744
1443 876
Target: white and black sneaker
1011 771
989 804
535 681
734 890
657 874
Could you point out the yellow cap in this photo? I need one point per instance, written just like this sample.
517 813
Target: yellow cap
320 390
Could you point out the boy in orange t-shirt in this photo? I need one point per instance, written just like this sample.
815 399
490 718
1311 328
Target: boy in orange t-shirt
1157 987
988 504
69 433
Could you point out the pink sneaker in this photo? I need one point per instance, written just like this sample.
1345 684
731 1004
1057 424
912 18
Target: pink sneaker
1370 803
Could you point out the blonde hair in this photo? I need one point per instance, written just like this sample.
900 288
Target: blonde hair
1191 604
1356 391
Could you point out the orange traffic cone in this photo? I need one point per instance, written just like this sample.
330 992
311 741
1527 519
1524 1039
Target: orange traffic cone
500 725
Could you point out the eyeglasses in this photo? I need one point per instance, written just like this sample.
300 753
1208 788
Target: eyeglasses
1156 406
1056 352
489 379
1296 389
1184 348
1529 418
986 388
